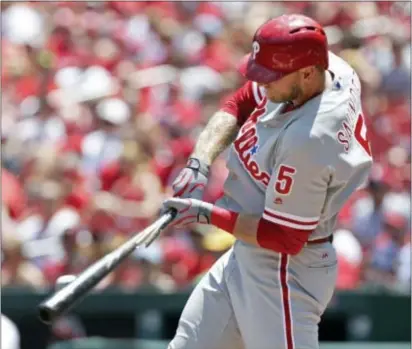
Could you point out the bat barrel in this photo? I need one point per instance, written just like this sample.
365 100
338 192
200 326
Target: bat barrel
53 307
64 299
50 310
46 314
68 296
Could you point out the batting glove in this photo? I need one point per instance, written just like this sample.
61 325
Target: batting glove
189 211
192 180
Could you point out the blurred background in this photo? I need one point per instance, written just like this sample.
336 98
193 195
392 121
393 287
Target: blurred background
102 102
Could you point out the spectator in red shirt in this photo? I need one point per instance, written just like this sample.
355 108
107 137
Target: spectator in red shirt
133 188
13 196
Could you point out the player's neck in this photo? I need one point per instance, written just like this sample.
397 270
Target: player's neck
321 82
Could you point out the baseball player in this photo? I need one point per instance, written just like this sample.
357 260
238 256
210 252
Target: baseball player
298 150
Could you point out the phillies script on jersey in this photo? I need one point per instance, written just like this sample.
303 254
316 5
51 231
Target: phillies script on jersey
246 141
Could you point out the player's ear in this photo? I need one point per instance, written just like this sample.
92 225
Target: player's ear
308 72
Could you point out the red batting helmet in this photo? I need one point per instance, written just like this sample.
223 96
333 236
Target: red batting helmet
283 45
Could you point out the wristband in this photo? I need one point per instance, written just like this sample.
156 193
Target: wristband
223 219
197 165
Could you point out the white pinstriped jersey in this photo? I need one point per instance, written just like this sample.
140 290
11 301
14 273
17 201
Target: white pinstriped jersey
298 168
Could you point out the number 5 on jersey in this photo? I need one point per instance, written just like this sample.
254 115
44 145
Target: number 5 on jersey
284 180
360 128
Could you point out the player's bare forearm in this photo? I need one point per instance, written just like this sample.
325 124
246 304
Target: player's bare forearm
246 228
218 134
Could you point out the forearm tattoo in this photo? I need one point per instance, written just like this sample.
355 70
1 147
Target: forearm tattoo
218 134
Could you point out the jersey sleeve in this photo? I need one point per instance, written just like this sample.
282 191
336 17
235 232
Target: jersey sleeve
298 186
242 102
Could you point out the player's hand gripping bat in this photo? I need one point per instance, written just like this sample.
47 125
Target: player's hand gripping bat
65 298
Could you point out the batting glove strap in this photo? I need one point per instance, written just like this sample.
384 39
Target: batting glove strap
198 165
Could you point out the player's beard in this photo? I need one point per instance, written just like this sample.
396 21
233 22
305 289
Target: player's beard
294 94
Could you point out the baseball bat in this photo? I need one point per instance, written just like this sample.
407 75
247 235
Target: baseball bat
68 296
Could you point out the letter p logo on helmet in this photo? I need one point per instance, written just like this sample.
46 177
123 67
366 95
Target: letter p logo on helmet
255 49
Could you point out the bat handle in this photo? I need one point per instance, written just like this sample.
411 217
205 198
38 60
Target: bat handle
166 218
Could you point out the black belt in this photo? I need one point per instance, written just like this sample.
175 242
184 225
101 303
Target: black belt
321 241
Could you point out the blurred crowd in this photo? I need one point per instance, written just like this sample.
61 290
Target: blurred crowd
102 102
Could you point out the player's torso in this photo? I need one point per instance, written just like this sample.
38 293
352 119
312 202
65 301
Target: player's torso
332 116
250 159
253 154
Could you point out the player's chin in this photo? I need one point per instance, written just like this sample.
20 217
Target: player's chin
278 99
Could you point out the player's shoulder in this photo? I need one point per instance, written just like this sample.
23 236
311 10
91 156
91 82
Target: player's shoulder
322 117
345 89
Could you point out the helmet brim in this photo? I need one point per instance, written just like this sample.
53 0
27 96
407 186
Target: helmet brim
258 73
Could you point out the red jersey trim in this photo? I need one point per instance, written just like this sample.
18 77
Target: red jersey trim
291 221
